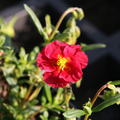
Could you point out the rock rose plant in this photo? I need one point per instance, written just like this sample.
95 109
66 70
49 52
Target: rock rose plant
38 85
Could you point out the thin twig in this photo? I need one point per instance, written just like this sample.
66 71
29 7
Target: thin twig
61 19
95 98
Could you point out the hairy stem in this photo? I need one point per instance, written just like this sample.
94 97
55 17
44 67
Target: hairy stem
96 96
98 93
60 20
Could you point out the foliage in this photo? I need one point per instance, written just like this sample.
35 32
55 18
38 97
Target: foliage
23 93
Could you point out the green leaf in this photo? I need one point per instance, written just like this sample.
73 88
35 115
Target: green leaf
10 108
78 83
11 81
117 82
36 21
22 52
33 102
35 93
107 103
48 93
8 29
33 54
2 40
43 99
61 36
59 96
48 29
92 46
73 113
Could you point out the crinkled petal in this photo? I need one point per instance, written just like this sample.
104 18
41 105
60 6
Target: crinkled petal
81 58
69 51
66 76
46 64
52 79
60 44
52 51
72 74
76 70
77 75
78 47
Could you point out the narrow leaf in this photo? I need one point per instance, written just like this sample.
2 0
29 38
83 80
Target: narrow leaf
48 21
48 93
74 113
107 103
35 93
2 40
61 37
22 52
35 20
11 81
93 46
117 82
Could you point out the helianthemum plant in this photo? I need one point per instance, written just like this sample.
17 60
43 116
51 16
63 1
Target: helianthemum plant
38 85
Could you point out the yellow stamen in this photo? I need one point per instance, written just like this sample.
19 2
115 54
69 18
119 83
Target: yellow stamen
62 62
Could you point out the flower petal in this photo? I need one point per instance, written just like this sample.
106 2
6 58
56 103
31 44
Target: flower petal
82 58
66 76
76 70
53 80
46 64
69 51
52 51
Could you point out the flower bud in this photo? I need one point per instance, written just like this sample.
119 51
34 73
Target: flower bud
71 22
77 31
78 14
8 31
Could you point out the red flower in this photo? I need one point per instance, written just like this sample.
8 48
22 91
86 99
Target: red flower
62 63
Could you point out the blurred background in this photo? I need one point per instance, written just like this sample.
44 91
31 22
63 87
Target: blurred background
100 25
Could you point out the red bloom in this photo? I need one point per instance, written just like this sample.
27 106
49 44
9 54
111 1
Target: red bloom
62 63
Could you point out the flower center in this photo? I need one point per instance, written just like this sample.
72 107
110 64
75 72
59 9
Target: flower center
61 62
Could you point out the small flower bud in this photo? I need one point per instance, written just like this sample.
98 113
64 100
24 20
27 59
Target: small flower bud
78 14
71 22
77 31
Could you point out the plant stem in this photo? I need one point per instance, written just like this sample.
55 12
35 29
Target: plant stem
67 95
98 93
86 117
95 98
60 21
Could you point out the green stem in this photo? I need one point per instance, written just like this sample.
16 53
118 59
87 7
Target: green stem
36 112
86 117
60 21
95 98
67 95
